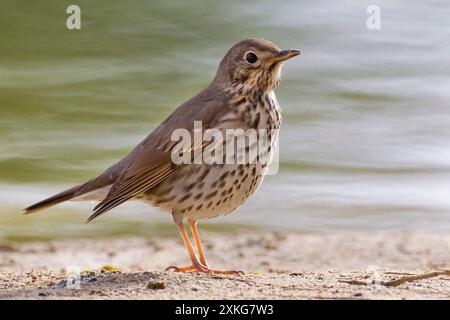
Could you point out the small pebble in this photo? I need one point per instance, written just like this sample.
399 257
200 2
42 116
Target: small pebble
156 285
96 292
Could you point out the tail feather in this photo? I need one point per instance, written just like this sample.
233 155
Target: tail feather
49 202
105 179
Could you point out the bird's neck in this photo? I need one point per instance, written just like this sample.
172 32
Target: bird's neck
257 85
248 90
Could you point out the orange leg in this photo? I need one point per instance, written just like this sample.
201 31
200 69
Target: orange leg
197 266
198 243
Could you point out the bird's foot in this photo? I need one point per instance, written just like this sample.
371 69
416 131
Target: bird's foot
202 268
191 268
232 272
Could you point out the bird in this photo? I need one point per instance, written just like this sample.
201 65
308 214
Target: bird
240 96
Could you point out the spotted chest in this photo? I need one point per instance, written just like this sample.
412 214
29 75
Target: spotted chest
209 190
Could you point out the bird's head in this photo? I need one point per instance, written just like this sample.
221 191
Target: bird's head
253 64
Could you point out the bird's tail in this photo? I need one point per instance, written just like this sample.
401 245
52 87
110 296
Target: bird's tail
107 178
57 198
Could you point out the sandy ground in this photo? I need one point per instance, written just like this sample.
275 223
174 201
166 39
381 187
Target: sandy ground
277 266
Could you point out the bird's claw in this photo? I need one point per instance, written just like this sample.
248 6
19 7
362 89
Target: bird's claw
204 269
192 268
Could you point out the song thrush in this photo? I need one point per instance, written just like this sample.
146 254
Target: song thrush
240 97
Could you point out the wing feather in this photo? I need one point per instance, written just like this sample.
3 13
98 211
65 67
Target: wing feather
150 162
142 183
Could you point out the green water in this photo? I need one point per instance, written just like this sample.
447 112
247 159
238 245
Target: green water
366 139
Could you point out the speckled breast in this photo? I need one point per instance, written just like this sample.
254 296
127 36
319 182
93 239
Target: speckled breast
201 191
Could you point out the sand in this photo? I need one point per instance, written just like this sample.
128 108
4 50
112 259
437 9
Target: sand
288 265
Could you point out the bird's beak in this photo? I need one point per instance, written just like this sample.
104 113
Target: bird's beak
287 54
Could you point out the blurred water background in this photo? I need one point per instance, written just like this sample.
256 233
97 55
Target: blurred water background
365 143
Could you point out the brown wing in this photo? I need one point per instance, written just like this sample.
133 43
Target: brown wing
150 162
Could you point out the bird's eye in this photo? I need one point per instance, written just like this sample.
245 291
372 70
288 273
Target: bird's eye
251 57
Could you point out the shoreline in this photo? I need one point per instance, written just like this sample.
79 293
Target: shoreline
289 265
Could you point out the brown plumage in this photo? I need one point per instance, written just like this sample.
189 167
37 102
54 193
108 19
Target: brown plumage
240 97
